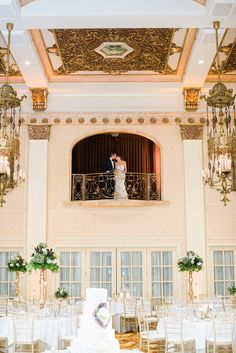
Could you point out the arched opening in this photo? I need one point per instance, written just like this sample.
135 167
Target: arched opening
141 154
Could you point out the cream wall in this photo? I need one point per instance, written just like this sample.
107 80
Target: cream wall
73 225
13 213
82 224
70 224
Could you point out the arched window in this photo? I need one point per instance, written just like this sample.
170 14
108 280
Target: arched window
141 154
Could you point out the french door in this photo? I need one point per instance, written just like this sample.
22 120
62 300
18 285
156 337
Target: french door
131 271
139 272
101 269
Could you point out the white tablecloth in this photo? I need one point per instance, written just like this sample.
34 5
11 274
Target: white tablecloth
200 330
48 330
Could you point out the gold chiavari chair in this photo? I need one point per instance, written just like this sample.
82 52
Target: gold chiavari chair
222 340
150 340
156 302
3 344
65 341
128 319
175 340
24 336
3 306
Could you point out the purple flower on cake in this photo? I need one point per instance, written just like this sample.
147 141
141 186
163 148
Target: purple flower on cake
102 315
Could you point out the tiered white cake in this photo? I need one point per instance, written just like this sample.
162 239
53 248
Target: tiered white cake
95 336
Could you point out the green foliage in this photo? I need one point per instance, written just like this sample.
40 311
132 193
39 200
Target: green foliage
17 264
43 258
191 262
61 293
232 290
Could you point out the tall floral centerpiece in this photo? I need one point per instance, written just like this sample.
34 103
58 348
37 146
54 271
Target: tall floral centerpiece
43 259
17 264
190 263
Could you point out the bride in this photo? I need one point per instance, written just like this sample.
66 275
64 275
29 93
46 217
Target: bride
120 170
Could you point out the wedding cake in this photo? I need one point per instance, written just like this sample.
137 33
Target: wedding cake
95 334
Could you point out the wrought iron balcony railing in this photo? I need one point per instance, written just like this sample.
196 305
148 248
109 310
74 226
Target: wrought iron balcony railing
100 186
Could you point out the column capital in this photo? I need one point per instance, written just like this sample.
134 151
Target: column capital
191 131
39 131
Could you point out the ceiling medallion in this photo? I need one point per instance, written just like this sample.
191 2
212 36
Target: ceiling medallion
114 50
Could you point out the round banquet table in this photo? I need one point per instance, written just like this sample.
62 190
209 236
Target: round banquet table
200 330
48 330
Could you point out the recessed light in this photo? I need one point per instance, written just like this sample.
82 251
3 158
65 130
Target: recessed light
27 62
201 62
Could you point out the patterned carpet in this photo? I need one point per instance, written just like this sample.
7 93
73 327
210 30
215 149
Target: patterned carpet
128 340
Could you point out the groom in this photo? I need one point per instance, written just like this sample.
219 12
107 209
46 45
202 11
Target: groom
109 167
109 164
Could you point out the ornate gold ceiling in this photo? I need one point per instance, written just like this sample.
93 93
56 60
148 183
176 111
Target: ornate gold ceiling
14 70
151 50
227 52
159 54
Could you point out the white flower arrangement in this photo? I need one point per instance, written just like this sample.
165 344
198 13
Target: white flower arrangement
192 262
17 264
61 293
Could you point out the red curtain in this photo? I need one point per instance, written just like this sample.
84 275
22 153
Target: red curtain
141 154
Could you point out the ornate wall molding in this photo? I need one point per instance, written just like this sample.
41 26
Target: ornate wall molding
39 131
191 131
114 118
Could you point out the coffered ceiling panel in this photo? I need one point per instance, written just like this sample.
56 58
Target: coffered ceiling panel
14 70
71 54
227 56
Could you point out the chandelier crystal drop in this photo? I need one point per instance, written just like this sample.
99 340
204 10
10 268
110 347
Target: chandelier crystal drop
221 134
10 122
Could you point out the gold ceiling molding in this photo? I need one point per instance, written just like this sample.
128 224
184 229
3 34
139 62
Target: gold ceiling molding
191 131
39 131
227 60
13 68
151 50
230 64
75 61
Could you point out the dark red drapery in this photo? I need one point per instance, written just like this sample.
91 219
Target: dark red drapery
141 154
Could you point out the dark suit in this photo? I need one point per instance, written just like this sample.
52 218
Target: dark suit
110 183
108 166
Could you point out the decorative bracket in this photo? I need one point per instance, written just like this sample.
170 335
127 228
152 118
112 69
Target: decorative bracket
39 131
191 99
191 131
39 98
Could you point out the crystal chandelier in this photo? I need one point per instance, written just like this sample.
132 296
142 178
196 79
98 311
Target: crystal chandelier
221 133
10 122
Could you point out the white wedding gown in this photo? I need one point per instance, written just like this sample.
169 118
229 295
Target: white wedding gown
120 191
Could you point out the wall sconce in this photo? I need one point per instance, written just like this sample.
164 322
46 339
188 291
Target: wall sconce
191 99
39 98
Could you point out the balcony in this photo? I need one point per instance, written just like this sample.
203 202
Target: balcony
100 186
